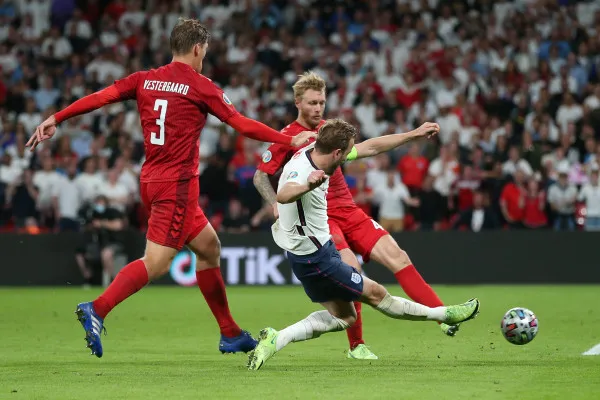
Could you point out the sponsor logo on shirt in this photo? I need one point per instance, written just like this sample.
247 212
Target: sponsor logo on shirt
267 156
292 175
226 99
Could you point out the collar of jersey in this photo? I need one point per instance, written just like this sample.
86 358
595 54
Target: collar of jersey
310 160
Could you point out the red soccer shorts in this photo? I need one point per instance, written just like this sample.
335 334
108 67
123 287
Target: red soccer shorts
351 228
175 216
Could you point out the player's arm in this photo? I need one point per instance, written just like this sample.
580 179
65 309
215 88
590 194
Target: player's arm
261 132
374 146
262 183
121 90
220 106
272 160
293 190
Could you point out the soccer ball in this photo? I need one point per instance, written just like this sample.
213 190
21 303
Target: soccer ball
519 325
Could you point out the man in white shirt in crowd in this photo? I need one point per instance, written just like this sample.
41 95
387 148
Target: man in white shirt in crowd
47 180
515 162
562 196
303 232
67 201
118 195
89 181
590 194
392 197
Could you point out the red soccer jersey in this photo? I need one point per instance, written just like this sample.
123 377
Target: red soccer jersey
278 155
413 170
173 102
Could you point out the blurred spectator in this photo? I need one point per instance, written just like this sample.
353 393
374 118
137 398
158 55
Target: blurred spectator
100 240
590 195
413 168
534 215
67 201
430 206
444 170
235 221
21 196
117 194
463 190
514 162
89 181
561 197
512 200
362 194
392 197
477 217
47 180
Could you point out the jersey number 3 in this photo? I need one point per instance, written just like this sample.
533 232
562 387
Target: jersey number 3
160 106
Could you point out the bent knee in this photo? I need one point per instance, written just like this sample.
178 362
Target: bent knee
373 293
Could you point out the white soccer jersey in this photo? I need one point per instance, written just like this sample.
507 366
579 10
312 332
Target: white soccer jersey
302 226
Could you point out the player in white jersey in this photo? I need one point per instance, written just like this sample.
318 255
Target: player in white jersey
302 231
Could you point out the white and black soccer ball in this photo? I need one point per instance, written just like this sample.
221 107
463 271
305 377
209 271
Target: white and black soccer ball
519 325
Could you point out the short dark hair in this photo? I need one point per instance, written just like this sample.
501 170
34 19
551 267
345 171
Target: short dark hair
186 34
334 134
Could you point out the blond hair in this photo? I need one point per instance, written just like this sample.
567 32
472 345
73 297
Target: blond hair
334 134
308 81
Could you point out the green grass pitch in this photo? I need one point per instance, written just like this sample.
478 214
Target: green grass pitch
162 344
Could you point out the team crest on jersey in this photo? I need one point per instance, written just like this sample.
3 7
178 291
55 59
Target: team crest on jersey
267 156
292 175
356 278
226 99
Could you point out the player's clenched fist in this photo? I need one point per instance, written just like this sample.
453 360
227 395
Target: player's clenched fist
316 179
303 138
428 129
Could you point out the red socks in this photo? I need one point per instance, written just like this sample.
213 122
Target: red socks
210 282
355 331
129 280
416 288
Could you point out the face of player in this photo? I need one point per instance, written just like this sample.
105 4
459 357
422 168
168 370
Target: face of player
338 157
311 107
199 54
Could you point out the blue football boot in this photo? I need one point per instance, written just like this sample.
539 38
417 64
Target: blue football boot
93 326
244 342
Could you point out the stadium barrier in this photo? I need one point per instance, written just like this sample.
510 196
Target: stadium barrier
253 259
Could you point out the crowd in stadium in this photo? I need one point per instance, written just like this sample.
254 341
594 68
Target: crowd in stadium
513 84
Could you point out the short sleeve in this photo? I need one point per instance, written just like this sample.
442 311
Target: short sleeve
127 86
217 101
295 172
274 158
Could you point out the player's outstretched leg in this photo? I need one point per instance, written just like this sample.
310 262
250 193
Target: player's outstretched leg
377 296
128 281
311 327
358 349
387 252
207 248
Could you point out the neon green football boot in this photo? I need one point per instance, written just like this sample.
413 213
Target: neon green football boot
265 349
462 312
361 352
450 330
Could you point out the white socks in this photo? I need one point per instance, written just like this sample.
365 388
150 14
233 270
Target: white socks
399 308
310 327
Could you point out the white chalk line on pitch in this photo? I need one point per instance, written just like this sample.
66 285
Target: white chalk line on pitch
594 351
